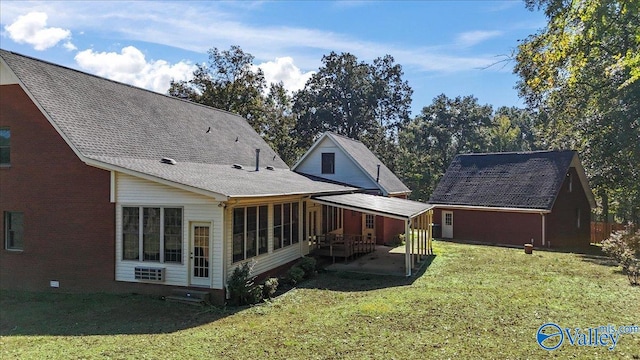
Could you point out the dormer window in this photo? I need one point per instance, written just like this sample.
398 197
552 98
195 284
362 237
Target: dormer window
5 147
328 163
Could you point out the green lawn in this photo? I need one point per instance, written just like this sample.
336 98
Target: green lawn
471 302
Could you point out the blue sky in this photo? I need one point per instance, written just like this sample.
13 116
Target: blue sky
443 46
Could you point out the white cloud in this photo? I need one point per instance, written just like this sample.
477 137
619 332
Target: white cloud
283 69
69 46
130 66
32 29
471 38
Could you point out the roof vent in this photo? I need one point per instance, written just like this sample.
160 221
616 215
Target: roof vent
270 168
237 166
166 160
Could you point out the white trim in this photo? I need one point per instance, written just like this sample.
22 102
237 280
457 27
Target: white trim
489 208
112 187
407 248
544 240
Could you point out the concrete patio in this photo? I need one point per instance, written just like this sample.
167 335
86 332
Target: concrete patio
385 260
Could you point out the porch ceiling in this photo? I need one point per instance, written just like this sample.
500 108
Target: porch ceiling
386 206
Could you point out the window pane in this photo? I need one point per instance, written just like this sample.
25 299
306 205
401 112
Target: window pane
151 234
14 230
5 146
328 163
263 226
277 226
286 217
294 223
130 233
238 234
252 231
173 235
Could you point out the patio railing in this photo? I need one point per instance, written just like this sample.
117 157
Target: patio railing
342 245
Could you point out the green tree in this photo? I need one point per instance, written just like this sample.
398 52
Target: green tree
278 124
229 81
363 101
502 135
581 74
430 141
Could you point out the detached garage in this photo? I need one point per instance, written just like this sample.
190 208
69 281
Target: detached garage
541 197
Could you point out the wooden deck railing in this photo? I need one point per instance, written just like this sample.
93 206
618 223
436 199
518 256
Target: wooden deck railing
342 246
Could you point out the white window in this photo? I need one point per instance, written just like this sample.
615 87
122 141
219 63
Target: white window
369 221
448 219
152 234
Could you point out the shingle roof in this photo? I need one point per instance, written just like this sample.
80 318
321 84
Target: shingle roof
527 180
368 163
126 126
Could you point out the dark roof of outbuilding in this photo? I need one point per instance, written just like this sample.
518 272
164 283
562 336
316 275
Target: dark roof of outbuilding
124 126
525 180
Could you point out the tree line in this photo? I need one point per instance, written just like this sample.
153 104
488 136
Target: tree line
579 78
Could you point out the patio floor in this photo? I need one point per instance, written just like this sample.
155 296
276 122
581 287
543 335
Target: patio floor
385 260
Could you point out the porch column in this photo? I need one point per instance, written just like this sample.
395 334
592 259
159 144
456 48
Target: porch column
407 248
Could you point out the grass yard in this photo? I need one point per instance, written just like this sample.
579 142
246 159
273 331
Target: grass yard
471 302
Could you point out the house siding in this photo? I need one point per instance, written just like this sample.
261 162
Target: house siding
69 220
132 191
345 170
494 227
562 222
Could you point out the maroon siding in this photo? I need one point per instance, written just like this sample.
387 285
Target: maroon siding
562 223
352 222
68 219
494 227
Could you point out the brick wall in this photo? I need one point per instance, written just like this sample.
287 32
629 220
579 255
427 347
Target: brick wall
68 219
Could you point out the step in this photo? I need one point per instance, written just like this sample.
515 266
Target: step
186 300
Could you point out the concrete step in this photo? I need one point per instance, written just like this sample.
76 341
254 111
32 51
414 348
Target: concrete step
189 296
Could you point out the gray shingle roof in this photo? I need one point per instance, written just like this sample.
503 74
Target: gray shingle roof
134 128
528 180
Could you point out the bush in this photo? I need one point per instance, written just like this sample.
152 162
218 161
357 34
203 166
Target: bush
295 275
624 247
241 285
269 287
308 265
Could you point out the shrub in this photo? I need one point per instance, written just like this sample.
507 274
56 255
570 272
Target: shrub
241 285
624 247
269 287
308 265
295 275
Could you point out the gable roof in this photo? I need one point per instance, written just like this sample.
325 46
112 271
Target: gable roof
120 127
365 160
520 180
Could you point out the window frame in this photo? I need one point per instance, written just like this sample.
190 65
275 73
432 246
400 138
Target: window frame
9 231
147 231
5 148
288 232
254 232
328 163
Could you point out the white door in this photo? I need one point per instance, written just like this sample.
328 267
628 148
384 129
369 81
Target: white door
447 224
200 257
368 226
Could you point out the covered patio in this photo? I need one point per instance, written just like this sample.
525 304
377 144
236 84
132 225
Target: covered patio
416 217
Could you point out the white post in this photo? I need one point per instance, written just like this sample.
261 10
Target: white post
407 248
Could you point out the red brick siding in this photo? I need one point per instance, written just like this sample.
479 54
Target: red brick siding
352 222
69 221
